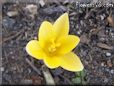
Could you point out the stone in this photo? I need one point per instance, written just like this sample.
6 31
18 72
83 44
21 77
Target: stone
32 9
41 2
112 71
12 13
2 69
108 54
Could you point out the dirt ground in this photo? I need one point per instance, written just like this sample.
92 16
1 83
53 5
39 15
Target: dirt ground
94 26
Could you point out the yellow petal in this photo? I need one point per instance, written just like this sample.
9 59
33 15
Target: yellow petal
61 25
52 62
45 32
71 62
34 49
68 43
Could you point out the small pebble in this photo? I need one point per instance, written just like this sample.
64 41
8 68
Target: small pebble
11 52
105 80
102 39
107 31
42 3
29 70
108 54
79 32
112 36
31 8
77 26
13 57
102 64
102 17
12 13
2 69
35 38
112 71
106 69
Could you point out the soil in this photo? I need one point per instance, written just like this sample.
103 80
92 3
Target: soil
94 26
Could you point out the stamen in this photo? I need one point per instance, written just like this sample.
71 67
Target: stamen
52 48
58 45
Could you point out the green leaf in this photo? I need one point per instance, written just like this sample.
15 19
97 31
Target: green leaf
78 74
83 74
79 79
76 80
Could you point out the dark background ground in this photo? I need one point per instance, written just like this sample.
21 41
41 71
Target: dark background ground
94 26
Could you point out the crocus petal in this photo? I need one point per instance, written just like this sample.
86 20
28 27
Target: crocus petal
45 32
71 62
52 62
61 25
68 43
34 49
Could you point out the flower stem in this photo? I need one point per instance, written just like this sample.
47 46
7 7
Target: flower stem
48 77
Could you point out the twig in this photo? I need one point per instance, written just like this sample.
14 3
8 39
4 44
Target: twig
11 37
47 75
6 56
34 68
89 13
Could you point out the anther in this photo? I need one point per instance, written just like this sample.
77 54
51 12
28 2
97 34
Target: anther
58 45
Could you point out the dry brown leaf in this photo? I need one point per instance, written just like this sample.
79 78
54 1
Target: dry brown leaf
110 20
109 64
37 80
105 46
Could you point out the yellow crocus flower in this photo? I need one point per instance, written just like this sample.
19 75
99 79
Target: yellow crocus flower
54 45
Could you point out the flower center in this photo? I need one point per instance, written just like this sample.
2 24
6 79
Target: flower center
53 47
